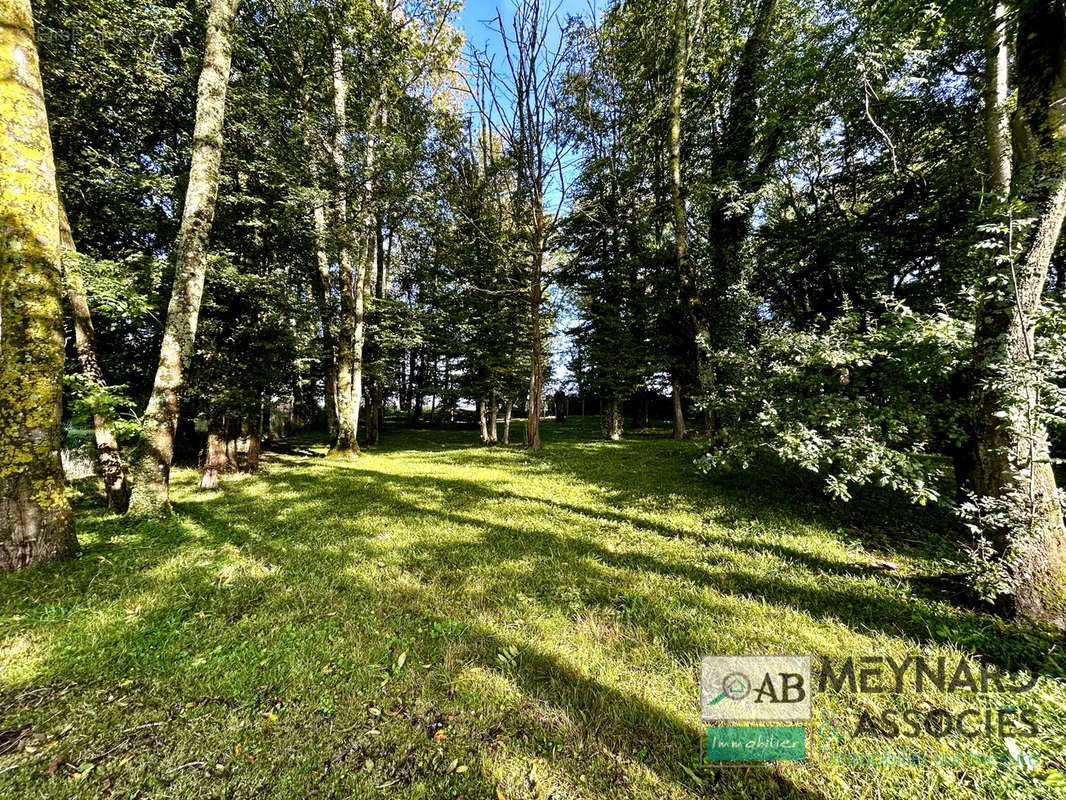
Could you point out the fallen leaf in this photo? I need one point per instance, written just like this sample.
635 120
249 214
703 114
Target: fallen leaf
87 768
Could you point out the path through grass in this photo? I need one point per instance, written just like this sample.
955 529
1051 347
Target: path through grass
438 620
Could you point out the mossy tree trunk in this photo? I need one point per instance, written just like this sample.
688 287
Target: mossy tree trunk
151 491
36 523
1027 155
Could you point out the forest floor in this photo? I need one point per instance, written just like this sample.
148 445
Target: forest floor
440 620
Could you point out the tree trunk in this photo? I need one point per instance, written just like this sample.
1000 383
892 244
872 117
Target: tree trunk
348 394
536 377
1013 464
233 438
107 450
679 413
215 462
371 421
612 419
151 491
494 415
417 396
507 420
36 523
686 275
324 296
482 422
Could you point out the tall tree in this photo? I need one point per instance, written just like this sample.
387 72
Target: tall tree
685 27
36 523
151 491
351 293
522 111
1027 162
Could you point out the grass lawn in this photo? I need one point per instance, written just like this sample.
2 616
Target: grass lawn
438 620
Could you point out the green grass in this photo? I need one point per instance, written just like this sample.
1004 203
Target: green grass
437 620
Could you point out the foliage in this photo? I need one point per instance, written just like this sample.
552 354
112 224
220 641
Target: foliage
867 400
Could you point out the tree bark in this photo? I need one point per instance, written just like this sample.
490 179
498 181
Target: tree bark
690 294
348 394
612 419
233 438
151 491
1013 462
494 415
112 472
215 462
324 295
536 377
482 422
36 524
679 413
507 420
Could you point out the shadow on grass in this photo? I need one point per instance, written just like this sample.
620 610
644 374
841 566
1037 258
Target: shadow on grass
295 563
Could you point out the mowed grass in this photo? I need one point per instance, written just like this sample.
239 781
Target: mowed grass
440 620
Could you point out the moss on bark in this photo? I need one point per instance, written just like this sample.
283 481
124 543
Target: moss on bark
36 524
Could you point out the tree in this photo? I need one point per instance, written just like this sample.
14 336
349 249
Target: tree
151 492
522 111
112 470
36 523
1027 162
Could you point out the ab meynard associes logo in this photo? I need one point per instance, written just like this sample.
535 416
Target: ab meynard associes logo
774 697
765 689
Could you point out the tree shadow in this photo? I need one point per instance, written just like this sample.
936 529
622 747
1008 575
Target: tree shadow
301 563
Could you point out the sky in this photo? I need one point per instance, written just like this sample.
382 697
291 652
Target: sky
477 12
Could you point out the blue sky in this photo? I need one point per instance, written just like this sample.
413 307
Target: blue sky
475 12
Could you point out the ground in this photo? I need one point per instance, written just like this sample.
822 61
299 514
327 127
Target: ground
440 620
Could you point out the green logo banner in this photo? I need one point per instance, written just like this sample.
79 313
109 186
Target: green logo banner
734 743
